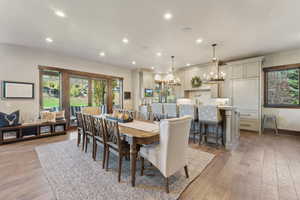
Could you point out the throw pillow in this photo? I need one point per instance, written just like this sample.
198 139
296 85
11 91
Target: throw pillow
60 116
48 116
9 119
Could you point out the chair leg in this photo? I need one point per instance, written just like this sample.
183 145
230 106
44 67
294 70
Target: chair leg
120 167
217 136
94 149
78 138
83 141
186 171
107 158
86 144
104 156
167 184
142 166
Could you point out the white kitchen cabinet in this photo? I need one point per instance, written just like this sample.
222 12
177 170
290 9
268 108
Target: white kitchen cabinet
252 69
244 86
237 71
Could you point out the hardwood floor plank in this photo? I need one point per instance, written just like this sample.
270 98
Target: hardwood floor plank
262 167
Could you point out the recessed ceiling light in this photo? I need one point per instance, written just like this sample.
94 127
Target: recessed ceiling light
158 54
125 40
188 64
49 40
60 13
152 67
133 62
168 16
102 54
199 40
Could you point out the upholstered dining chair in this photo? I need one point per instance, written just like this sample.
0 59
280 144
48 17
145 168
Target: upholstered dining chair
91 110
115 143
170 155
209 115
100 138
88 131
190 110
142 116
157 111
170 110
80 129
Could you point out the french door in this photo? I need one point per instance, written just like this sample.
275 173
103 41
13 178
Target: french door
70 90
85 91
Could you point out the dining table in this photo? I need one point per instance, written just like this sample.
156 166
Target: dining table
138 133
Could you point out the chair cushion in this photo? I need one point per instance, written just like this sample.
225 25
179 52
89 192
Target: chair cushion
151 152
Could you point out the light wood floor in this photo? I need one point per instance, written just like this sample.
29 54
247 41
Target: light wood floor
266 167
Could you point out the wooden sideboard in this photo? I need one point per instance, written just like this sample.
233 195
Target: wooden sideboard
28 131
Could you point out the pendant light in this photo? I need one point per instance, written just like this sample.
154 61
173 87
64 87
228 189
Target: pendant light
171 78
215 76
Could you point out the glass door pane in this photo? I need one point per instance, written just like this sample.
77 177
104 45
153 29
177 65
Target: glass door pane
79 97
51 90
99 94
117 94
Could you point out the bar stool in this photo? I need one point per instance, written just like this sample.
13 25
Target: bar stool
270 118
190 109
209 115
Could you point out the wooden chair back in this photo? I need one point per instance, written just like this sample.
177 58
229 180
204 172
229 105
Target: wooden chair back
98 127
88 125
112 132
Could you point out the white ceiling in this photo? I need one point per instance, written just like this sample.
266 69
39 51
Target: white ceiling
241 27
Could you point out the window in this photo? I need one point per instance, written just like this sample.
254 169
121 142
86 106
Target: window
117 93
51 90
79 88
282 86
99 90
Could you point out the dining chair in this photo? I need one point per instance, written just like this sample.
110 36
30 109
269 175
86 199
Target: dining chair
170 110
209 115
141 116
100 138
166 155
157 111
190 110
115 143
89 132
91 110
80 129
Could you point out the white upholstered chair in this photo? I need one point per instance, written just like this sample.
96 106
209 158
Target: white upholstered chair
157 111
170 110
170 155
190 110
210 115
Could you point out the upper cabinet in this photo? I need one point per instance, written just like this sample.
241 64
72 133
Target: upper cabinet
246 70
237 71
252 69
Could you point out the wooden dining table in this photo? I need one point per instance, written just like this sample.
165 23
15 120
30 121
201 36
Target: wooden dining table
138 133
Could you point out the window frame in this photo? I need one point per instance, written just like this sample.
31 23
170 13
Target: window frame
65 75
49 73
274 69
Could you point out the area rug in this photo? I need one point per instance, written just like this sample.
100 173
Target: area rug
74 175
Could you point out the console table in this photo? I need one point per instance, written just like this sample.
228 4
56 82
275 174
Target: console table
28 131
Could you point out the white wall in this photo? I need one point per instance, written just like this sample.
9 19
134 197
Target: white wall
287 118
21 64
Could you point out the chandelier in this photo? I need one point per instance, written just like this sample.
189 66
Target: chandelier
170 79
215 75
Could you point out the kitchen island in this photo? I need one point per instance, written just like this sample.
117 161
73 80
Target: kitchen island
231 118
231 125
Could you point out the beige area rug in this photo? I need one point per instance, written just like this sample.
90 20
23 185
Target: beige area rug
73 174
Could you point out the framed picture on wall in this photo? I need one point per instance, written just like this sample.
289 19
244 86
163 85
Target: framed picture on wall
17 90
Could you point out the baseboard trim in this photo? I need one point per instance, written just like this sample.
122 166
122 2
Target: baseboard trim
284 132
